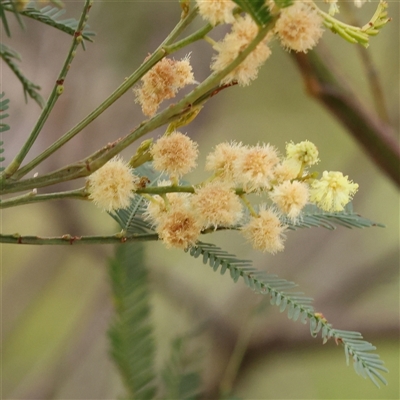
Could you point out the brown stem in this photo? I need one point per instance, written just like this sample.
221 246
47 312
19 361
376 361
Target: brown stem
374 135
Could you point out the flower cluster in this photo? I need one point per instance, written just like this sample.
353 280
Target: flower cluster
238 170
180 214
298 27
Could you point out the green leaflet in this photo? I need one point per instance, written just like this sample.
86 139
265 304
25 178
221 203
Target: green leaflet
48 15
3 127
131 333
180 374
30 89
257 9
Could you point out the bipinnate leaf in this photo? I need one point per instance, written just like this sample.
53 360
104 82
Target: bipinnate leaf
131 333
298 306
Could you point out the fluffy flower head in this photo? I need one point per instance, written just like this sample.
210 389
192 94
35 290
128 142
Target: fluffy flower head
179 227
287 170
111 187
244 30
163 82
217 204
304 152
299 27
255 167
174 154
333 191
265 232
290 197
216 11
223 158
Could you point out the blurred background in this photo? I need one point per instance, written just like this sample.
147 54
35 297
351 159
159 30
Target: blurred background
56 301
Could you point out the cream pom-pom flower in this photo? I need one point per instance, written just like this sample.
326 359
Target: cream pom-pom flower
163 82
290 197
175 154
222 160
179 227
217 204
244 30
216 11
333 191
112 186
254 169
299 27
265 232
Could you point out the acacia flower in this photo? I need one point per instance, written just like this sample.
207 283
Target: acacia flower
333 191
299 27
157 207
255 167
174 154
244 30
216 11
179 227
304 152
163 82
111 187
286 170
290 197
222 159
217 204
265 232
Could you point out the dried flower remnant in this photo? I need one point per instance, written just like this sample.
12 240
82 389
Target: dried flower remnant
333 191
217 204
244 30
290 197
163 82
222 160
111 187
299 27
254 168
216 11
175 154
265 232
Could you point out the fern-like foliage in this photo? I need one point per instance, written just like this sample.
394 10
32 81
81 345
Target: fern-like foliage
3 127
7 5
297 305
180 374
48 15
30 89
258 10
131 219
131 333
312 216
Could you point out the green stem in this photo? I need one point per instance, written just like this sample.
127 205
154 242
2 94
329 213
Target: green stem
248 205
32 197
118 238
236 358
125 86
55 94
99 158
